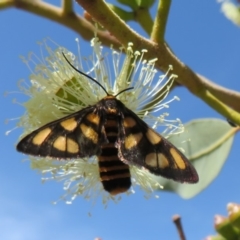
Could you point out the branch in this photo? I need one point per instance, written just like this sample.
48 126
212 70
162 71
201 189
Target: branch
220 107
229 97
62 16
67 6
6 4
119 33
103 14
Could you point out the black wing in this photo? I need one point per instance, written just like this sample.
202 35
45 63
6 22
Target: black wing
140 145
77 135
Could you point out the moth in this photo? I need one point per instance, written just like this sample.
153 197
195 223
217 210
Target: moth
117 136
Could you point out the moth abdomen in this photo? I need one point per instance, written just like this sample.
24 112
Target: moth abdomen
114 174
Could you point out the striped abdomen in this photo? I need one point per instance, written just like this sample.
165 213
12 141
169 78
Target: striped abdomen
114 174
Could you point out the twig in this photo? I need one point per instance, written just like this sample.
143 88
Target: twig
160 21
68 19
228 96
177 221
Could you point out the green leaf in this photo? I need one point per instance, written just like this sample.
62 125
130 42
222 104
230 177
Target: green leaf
217 237
66 97
136 4
207 143
224 227
124 15
132 4
144 3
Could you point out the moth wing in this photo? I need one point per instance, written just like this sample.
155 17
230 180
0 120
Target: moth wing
77 135
140 145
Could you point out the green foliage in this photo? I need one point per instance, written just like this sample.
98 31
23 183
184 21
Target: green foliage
207 143
228 228
124 15
135 4
71 85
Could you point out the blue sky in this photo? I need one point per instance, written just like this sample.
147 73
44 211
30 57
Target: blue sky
201 37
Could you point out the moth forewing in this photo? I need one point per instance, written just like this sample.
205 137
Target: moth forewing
64 138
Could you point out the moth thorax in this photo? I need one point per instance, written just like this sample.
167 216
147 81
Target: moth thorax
111 106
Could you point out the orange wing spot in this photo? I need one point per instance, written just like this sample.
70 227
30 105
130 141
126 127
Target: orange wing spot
60 144
177 158
94 118
132 140
89 133
129 122
69 124
156 160
41 136
153 137
163 161
72 146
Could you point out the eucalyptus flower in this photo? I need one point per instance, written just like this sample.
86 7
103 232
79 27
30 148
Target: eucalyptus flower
57 90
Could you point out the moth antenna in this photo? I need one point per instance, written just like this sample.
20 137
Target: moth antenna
84 74
124 90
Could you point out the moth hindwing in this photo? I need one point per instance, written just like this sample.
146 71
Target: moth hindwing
117 136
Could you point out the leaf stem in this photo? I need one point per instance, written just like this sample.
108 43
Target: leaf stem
218 143
220 107
143 17
67 6
160 22
228 96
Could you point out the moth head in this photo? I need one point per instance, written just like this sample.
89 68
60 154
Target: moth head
111 104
